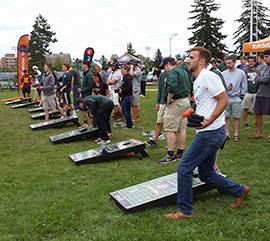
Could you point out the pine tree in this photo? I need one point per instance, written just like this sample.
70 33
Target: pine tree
158 58
40 38
206 28
130 49
261 24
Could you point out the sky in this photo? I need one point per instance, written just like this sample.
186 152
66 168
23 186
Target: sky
107 26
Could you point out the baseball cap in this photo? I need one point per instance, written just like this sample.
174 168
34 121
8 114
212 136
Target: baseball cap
99 64
132 61
266 52
34 67
165 61
115 64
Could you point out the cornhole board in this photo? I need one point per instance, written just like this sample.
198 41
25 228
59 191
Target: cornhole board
155 193
55 123
17 101
23 105
14 98
112 151
74 135
39 116
35 110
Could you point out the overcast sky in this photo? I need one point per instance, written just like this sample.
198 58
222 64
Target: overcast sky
108 26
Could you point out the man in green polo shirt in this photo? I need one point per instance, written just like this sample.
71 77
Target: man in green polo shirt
101 108
222 66
86 88
177 87
249 99
160 108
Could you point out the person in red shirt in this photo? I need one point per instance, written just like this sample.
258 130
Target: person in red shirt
26 84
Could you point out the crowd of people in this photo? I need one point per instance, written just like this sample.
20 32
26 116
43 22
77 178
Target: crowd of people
215 90
246 85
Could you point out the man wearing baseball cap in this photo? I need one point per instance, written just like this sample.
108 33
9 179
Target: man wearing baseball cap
98 68
35 69
262 101
177 87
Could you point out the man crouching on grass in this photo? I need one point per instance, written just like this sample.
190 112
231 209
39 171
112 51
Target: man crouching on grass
101 108
211 99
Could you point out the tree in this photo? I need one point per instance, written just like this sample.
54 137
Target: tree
206 28
40 39
114 56
261 24
158 58
104 62
76 64
141 57
180 57
58 62
130 49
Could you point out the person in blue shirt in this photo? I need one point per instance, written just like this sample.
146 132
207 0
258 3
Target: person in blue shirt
243 63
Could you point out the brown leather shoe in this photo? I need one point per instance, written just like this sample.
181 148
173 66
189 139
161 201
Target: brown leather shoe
176 214
239 200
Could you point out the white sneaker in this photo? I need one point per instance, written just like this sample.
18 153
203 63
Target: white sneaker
97 140
102 142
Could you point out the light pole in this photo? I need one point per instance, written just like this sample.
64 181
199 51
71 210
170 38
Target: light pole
171 44
251 21
147 49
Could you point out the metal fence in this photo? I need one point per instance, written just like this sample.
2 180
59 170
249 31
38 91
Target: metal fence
8 76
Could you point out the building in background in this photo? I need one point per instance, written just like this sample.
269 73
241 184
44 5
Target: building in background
52 57
9 60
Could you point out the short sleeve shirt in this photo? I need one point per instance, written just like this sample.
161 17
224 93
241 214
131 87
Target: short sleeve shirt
206 86
116 75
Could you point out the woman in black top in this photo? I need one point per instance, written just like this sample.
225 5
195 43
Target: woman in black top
99 86
127 95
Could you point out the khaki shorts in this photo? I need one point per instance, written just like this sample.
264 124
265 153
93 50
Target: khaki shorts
160 113
249 101
136 98
49 102
173 120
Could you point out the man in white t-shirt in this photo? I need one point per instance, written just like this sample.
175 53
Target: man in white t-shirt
114 82
211 100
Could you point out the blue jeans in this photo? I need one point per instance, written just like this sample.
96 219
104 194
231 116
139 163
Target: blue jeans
202 153
126 108
75 96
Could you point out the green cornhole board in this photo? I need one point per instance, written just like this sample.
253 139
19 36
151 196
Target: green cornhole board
74 135
52 113
115 150
38 109
17 101
23 105
55 123
155 193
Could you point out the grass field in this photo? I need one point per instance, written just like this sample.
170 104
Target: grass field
44 196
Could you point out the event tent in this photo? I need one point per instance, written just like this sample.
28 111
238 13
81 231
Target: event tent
258 46
126 57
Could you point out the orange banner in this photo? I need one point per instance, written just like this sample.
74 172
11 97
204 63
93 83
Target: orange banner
258 46
22 57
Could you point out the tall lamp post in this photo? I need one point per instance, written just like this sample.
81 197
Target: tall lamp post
171 44
147 49
251 21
